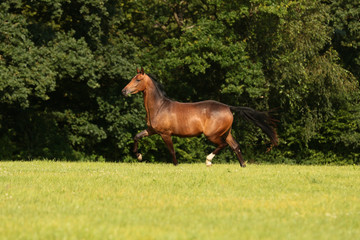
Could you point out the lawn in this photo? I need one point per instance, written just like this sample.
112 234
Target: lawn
83 200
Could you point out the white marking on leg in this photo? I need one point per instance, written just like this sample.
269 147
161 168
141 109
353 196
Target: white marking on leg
209 159
210 156
139 157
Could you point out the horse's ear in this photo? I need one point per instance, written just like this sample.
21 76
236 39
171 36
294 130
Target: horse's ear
142 71
137 70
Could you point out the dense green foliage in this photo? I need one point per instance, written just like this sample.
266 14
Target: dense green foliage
63 64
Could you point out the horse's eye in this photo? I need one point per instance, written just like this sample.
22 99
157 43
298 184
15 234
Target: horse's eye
137 80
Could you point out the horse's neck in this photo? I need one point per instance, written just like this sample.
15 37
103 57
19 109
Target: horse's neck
153 100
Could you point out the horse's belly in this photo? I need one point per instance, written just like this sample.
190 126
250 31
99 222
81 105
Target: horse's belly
182 125
187 126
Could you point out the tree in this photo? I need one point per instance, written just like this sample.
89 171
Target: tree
346 24
63 65
54 75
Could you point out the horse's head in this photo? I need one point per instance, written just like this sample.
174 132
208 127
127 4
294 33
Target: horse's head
137 83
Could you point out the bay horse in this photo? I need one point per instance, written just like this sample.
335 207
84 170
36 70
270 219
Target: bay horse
211 118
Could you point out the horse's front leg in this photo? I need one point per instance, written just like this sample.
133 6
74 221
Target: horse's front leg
137 137
168 141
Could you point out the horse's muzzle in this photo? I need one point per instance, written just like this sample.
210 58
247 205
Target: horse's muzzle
125 92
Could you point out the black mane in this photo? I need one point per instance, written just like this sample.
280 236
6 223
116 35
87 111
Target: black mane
158 85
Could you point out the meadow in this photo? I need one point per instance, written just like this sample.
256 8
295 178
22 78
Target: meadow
86 200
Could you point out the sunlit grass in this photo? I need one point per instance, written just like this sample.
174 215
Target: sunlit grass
60 200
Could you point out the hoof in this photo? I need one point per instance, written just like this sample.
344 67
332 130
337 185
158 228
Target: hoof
243 165
208 163
139 157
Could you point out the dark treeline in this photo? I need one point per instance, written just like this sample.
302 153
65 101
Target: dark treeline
63 64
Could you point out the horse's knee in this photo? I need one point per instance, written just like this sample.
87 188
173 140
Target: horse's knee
141 135
137 137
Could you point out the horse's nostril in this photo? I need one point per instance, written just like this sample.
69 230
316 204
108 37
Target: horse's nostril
124 92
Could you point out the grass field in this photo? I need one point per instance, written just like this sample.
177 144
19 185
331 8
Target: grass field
61 200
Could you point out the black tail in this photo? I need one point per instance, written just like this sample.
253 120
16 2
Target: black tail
260 119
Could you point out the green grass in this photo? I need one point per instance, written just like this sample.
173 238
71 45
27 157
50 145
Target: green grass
61 200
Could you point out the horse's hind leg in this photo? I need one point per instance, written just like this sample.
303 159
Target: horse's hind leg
221 144
235 146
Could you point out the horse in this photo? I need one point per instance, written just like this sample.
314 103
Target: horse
213 119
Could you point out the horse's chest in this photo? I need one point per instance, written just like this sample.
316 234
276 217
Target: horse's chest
160 123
